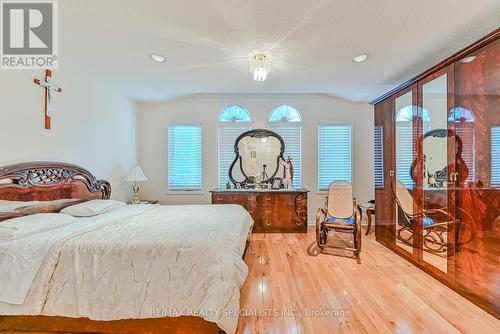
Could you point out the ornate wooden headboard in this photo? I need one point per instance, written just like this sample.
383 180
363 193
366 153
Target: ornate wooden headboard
50 181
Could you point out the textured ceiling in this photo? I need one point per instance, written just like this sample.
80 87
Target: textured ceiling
312 43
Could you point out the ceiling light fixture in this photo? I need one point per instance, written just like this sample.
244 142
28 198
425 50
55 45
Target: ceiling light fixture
360 58
260 65
467 59
158 58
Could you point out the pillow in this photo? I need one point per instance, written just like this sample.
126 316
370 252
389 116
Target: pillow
21 226
12 206
20 206
92 208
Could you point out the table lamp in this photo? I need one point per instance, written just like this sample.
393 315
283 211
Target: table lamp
135 175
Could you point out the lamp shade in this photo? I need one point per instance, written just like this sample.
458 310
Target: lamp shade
135 174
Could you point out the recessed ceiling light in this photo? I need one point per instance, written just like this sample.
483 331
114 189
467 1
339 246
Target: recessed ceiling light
360 58
467 59
158 58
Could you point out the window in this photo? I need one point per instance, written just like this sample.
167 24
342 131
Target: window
404 147
334 154
464 128
234 113
286 121
234 120
184 157
406 114
466 134
379 156
285 113
495 156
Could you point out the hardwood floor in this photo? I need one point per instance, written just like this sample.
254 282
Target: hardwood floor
384 294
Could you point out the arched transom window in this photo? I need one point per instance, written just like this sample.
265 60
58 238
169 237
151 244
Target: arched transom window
234 113
285 113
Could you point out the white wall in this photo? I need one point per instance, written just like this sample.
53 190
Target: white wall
153 119
94 126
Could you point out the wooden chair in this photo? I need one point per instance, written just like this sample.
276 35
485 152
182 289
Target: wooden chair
340 215
434 230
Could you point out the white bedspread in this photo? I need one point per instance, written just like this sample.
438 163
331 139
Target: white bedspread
140 261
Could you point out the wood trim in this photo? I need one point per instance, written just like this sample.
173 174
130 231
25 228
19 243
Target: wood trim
450 60
183 324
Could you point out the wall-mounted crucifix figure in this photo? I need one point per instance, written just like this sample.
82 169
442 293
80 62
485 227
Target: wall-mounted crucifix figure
50 88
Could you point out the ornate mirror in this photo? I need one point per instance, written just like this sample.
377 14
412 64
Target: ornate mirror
258 154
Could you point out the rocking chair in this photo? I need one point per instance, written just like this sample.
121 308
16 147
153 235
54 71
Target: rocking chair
434 242
339 216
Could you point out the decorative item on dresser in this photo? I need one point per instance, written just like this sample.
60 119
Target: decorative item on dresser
438 145
272 210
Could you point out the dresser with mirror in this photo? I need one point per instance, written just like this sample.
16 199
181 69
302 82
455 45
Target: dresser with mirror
256 176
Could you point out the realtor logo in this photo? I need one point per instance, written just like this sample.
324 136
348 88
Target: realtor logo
29 35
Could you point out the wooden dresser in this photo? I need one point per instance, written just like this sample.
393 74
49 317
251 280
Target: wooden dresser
272 210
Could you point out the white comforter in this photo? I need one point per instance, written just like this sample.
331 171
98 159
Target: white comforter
140 261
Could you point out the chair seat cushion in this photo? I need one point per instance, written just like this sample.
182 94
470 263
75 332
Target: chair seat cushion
341 220
428 221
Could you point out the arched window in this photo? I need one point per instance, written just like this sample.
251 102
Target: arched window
460 114
287 122
405 114
284 113
234 113
233 121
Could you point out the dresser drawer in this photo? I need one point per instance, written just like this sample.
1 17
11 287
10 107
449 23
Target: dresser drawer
271 211
263 199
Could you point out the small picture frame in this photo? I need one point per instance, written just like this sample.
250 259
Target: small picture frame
277 182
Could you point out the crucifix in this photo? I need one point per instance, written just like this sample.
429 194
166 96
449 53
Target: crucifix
50 88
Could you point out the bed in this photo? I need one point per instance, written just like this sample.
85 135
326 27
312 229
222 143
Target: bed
138 268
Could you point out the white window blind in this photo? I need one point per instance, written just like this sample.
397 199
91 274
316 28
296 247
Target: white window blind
184 157
466 134
495 155
334 154
227 137
379 156
404 153
292 136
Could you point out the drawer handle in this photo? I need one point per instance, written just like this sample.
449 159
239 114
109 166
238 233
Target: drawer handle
299 222
269 211
252 211
219 198
268 222
268 198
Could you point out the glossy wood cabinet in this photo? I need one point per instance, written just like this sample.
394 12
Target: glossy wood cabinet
280 211
441 139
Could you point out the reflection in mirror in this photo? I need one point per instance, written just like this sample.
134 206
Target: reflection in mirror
404 159
464 131
435 182
259 156
259 153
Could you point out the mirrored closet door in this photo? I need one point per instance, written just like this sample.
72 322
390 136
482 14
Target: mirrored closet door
437 168
402 182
